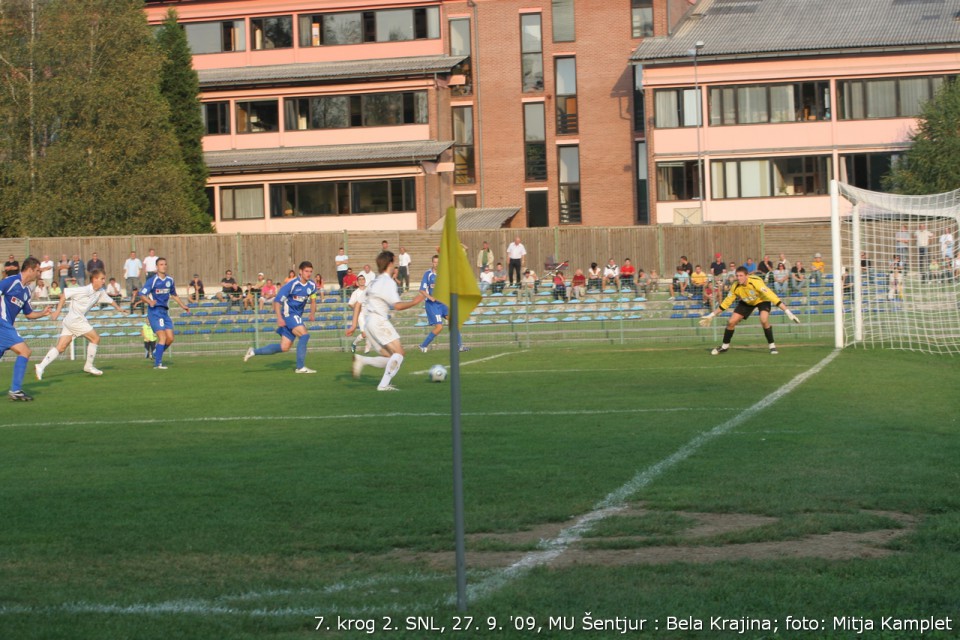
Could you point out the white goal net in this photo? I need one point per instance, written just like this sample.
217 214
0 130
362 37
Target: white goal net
896 272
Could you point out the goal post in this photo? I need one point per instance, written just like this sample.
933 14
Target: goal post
895 270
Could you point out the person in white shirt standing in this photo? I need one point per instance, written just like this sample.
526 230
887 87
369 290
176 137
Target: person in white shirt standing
403 263
923 237
516 252
343 263
150 264
75 324
131 272
382 298
46 271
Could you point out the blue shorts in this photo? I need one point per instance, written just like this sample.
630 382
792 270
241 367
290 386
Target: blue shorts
159 319
8 337
290 323
436 312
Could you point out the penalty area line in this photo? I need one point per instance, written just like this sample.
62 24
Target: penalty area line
615 501
463 364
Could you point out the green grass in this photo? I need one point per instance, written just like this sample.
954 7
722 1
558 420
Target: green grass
226 500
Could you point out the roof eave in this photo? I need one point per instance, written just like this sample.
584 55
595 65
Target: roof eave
799 53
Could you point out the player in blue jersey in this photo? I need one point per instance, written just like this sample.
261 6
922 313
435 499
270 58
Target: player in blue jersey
288 305
14 300
156 293
437 312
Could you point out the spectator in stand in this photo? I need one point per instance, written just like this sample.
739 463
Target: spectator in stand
528 286
698 280
499 278
817 269
342 261
63 270
485 257
95 263
384 245
230 289
611 273
780 279
798 276
114 290
318 280
578 285
559 287
486 280
729 278
267 294
643 283
865 264
923 237
902 247
783 258
149 339
349 281
78 270
765 269
195 291
654 281
41 291
131 274
150 264
11 267
517 253
750 265
403 268
717 266
685 265
627 275
594 277
54 291
895 280
368 273
946 247
680 282
46 271
253 292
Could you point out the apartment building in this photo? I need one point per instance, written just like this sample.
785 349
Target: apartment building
753 106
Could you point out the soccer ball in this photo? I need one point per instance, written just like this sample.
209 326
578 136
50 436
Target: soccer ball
438 373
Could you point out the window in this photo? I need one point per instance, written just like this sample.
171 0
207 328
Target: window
867 170
639 108
643 196
388 25
566 83
753 104
535 141
460 46
641 18
215 37
216 118
563 24
465 200
885 97
538 214
766 177
257 117
367 110
275 32
464 166
677 181
531 52
342 198
241 203
675 108
569 163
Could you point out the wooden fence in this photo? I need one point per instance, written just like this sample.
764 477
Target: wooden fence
650 247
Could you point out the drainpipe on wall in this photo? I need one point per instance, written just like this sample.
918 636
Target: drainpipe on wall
476 85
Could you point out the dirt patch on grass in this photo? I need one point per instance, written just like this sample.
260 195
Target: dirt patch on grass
692 544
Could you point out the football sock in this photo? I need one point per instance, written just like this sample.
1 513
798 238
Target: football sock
158 354
358 338
302 350
91 353
727 337
768 331
393 366
379 362
19 369
52 355
426 341
268 350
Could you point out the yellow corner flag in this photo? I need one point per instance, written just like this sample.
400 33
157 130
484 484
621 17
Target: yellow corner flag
454 273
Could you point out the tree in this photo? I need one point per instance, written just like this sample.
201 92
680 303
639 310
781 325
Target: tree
930 164
89 146
180 86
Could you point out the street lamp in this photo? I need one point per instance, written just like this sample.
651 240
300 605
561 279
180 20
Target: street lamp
696 91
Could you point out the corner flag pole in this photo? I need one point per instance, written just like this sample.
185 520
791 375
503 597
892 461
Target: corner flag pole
457 456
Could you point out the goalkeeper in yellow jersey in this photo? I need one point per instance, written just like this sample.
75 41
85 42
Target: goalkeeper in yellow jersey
749 292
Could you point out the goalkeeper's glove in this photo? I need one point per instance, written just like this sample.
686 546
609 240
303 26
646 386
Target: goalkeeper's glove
707 320
791 315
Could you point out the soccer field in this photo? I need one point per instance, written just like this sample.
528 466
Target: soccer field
664 492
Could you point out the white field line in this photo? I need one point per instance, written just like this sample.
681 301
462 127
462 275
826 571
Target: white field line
616 500
468 362
640 370
358 416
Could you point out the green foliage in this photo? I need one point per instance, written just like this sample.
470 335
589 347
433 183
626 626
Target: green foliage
930 165
92 150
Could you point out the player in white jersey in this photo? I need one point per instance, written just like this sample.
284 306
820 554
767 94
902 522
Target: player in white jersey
357 299
75 323
382 298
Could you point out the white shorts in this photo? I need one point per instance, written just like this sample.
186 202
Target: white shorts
380 331
75 328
